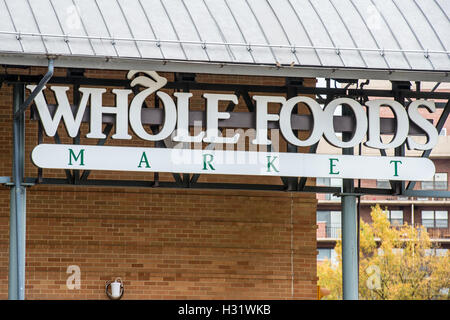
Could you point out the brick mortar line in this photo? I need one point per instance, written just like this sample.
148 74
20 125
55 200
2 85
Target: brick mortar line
309 198
302 200
214 275
117 220
225 277
238 250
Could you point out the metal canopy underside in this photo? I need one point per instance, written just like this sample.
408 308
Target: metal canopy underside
377 39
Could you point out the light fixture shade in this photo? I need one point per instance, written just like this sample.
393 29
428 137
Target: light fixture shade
116 289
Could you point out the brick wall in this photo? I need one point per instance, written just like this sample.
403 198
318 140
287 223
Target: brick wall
163 243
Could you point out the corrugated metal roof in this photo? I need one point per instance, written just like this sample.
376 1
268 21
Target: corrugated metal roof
344 37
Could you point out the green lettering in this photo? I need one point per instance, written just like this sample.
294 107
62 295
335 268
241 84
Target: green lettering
332 165
144 160
270 163
396 162
208 162
76 157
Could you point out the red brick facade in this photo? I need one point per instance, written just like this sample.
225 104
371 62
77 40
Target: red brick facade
163 243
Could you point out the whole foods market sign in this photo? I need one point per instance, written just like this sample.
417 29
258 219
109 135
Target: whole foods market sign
230 162
176 127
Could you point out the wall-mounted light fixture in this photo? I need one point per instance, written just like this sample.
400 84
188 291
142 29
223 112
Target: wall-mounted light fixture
116 289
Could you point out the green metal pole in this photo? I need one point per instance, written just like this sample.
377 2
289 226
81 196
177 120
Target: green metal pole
349 244
16 282
349 220
12 275
19 194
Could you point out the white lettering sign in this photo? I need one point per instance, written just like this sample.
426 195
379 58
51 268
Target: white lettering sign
86 157
176 115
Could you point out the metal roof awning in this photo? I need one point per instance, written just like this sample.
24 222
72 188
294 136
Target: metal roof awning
395 40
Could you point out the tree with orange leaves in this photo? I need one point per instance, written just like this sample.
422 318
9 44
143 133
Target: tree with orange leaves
395 264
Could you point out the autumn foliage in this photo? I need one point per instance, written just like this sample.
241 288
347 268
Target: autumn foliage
395 264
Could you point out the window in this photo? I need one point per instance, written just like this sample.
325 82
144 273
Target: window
428 219
395 251
332 220
323 216
383 184
435 219
327 254
439 182
334 231
323 181
439 252
329 182
441 219
395 217
324 253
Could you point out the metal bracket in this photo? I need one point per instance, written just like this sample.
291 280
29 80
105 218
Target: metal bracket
23 184
35 92
341 194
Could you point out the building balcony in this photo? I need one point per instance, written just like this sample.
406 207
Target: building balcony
333 233
328 233
439 234
388 200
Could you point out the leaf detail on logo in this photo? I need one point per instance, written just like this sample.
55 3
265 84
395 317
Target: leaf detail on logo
154 81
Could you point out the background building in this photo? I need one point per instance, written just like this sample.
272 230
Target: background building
432 213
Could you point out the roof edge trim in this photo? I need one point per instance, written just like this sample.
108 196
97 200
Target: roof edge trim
114 63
